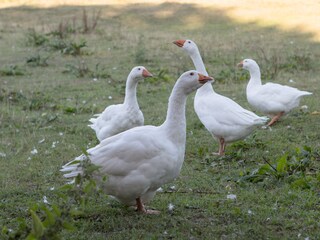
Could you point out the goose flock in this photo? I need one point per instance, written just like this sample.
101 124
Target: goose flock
135 160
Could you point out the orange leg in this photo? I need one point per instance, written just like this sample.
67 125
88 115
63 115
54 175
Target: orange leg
222 146
142 209
275 118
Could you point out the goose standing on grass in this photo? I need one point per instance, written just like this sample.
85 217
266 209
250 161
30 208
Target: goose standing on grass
140 160
226 120
272 99
121 117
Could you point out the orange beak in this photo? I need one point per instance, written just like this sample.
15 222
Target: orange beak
179 43
203 79
146 73
240 64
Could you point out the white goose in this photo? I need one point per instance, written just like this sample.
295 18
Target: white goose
120 117
272 99
226 120
140 160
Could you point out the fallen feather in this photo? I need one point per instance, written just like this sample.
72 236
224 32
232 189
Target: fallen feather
34 151
45 200
232 196
170 207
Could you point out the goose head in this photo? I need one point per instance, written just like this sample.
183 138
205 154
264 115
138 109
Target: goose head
139 72
192 80
188 45
248 64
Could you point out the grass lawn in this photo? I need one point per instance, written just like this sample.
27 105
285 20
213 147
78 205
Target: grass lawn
59 65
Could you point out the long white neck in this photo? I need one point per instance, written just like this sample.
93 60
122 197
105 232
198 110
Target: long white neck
255 77
200 67
175 123
130 98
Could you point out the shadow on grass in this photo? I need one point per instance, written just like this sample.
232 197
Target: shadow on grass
141 17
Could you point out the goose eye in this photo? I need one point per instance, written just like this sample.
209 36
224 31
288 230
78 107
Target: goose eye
192 74
139 69
189 41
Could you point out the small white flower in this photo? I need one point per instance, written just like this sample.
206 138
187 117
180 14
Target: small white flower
114 68
54 144
250 212
41 141
45 200
109 81
304 108
60 133
307 238
232 196
52 188
3 154
291 81
160 189
170 207
299 235
95 79
29 158
110 97
34 151
84 102
268 219
172 188
288 127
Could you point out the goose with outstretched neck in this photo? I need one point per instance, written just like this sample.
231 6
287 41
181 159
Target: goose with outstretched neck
135 163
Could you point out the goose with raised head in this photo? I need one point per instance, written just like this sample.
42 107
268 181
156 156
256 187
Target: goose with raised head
272 99
120 117
225 119
140 160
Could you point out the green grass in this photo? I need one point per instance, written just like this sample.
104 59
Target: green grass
47 106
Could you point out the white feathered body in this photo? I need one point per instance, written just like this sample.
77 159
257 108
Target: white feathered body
115 119
130 174
224 118
272 98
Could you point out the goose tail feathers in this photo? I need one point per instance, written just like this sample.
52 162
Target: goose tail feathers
74 167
